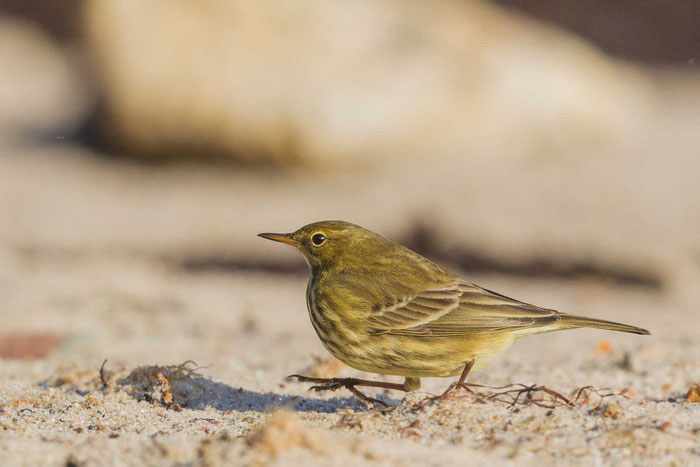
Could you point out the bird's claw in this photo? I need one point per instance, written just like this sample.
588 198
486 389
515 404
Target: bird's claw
333 384
430 400
326 387
309 379
293 377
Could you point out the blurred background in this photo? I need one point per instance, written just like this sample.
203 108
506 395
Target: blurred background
553 141
546 149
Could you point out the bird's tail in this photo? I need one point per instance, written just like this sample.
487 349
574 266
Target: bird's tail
573 321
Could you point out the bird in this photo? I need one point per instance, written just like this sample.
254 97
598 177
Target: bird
382 308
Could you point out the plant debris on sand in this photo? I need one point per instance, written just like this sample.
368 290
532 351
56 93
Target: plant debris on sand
519 394
173 386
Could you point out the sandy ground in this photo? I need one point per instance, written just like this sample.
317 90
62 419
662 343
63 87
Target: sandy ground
153 268
246 331
96 263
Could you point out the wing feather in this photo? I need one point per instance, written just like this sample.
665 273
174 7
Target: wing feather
413 312
459 309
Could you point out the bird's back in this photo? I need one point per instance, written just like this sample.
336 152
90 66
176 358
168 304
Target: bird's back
380 305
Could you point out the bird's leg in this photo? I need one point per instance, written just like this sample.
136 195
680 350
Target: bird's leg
461 382
332 384
465 373
457 384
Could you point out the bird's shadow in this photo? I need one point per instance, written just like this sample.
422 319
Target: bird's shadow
198 392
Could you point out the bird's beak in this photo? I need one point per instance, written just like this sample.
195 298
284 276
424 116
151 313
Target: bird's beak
284 238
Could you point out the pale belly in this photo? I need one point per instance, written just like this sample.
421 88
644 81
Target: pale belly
418 356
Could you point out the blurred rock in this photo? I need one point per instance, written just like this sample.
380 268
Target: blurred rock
478 137
41 88
650 31
351 81
61 18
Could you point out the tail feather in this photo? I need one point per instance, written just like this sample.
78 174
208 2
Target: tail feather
573 321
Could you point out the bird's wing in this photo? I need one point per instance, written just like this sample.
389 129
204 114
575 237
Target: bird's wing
458 310
412 313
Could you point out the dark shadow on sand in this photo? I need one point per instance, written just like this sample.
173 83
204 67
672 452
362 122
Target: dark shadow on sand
198 392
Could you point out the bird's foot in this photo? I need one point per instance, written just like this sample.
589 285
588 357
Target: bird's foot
333 384
451 388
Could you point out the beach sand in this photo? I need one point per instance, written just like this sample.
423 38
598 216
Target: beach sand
247 331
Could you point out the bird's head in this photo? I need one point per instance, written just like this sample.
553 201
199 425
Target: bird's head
329 244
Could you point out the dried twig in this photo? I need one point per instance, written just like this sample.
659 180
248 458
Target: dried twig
528 391
517 394
192 371
586 392
103 375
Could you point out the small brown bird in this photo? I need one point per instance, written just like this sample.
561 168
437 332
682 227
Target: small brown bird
379 307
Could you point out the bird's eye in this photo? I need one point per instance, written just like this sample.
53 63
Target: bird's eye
318 239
